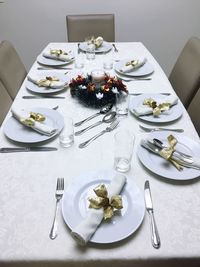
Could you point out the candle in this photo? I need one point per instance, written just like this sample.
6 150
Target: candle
98 75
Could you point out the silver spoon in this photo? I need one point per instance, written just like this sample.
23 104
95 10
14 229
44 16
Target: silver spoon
160 144
109 117
103 110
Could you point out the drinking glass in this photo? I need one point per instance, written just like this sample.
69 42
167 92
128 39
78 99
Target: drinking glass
122 104
66 137
90 52
124 142
108 61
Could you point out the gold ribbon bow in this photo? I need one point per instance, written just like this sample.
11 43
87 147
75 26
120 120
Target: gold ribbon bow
167 152
102 201
95 41
157 109
30 121
132 63
47 82
58 52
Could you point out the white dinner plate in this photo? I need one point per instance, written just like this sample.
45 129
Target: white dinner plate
18 132
172 114
162 167
105 47
145 69
53 62
75 205
46 90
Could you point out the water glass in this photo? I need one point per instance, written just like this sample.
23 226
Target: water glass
108 61
124 142
66 137
79 61
90 52
122 104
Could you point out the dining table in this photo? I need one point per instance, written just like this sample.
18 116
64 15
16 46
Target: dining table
28 179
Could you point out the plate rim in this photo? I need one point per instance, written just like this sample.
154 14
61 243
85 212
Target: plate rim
151 167
45 137
150 118
90 177
96 50
57 63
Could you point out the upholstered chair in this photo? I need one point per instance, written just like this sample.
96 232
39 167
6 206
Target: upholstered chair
185 75
5 102
193 110
12 71
79 27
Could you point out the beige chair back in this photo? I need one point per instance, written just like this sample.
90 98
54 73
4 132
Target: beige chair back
5 102
79 27
193 111
185 76
12 71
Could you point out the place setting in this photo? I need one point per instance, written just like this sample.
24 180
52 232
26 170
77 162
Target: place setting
171 155
46 84
98 45
137 68
33 127
56 58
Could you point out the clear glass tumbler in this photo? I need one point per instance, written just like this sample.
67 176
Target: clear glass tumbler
66 137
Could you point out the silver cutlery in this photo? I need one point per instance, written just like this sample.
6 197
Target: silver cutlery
40 97
115 48
54 68
136 94
112 126
146 129
155 239
79 50
59 193
103 110
133 79
109 117
26 149
160 144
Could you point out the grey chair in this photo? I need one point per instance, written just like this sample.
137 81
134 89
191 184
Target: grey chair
185 76
193 110
80 27
5 102
12 70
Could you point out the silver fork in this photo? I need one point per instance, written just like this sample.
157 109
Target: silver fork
146 129
112 126
59 193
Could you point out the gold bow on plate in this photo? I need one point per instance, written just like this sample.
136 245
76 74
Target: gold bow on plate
167 152
102 201
58 52
47 82
30 121
157 108
132 63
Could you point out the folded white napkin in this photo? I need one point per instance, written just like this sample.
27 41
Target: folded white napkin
87 227
53 84
38 126
139 62
146 110
62 57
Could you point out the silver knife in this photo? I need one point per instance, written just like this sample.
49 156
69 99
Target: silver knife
155 239
40 97
26 149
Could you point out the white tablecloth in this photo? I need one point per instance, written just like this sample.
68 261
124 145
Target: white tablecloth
28 180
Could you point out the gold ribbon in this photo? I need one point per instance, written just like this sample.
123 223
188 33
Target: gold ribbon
95 41
58 52
47 82
167 152
132 63
102 201
30 121
157 109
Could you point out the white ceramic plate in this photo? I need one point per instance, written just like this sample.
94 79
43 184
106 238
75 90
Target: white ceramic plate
172 114
45 90
162 167
105 47
75 206
145 69
18 132
52 62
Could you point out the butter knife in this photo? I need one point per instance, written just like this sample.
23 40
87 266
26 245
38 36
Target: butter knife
26 149
155 239
40 97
